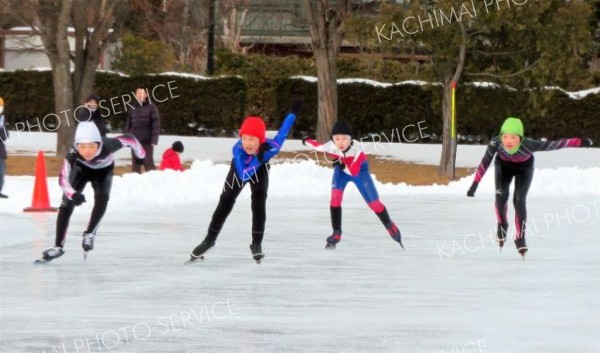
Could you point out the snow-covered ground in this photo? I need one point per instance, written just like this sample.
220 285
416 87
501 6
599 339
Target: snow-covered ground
219 149
449 291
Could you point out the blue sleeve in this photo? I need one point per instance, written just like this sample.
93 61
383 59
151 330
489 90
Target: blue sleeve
245 164
277 142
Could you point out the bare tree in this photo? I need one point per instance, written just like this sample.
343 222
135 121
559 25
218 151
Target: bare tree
180 24
451 79
95 23
233 16
520 52
326 21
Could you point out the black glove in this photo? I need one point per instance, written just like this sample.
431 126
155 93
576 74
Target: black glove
306 138
472 189
264 147
77 198
587 142
138 161
340 164
296 106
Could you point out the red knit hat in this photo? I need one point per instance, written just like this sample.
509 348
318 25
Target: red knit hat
254 126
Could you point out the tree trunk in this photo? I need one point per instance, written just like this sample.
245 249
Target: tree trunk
232 25
60 60
327 93
448 158
326 22
185 40
63 103
92 21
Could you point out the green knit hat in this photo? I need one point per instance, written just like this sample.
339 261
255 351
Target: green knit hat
513 126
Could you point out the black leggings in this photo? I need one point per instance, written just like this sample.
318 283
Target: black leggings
101 180
523 174
259 185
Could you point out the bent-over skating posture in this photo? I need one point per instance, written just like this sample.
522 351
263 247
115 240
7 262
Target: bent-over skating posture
90 160
351 165
514 158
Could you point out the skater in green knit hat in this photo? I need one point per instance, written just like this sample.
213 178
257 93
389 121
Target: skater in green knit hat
512 153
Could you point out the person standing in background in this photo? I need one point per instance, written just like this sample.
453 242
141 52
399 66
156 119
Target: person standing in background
143 122
3 137
92 113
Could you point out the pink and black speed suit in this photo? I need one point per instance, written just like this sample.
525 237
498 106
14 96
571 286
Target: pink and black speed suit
76 172
519 166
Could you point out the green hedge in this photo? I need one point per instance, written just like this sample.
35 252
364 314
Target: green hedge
220 104
27 94
368 109
480 110
189 104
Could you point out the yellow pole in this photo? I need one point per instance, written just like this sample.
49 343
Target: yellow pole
453 132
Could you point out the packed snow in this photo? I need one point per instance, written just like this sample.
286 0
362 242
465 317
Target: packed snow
573 171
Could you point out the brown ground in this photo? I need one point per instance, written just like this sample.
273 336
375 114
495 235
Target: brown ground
395 171
25 165
386 170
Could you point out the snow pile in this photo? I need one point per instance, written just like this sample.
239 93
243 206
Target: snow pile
205 180
570 171
218 149
573 95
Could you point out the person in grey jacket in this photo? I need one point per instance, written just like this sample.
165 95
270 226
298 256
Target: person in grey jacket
143 122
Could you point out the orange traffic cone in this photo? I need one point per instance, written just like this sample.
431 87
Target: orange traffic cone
41 200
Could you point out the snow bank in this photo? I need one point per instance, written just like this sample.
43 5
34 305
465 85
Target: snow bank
573 95
572 171
218 149
205 180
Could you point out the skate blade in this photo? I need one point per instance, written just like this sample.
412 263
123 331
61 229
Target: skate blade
330 247
194 261
522 253
41 262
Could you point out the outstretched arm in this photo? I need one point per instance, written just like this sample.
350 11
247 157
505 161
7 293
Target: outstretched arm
536 145
271 147
246 165
328 147
65 174
127 140
490 152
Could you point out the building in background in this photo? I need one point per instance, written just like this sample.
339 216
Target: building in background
22 49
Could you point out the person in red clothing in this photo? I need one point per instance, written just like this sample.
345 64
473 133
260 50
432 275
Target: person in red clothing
170 158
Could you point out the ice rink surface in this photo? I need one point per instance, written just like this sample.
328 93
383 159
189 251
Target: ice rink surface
449 291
